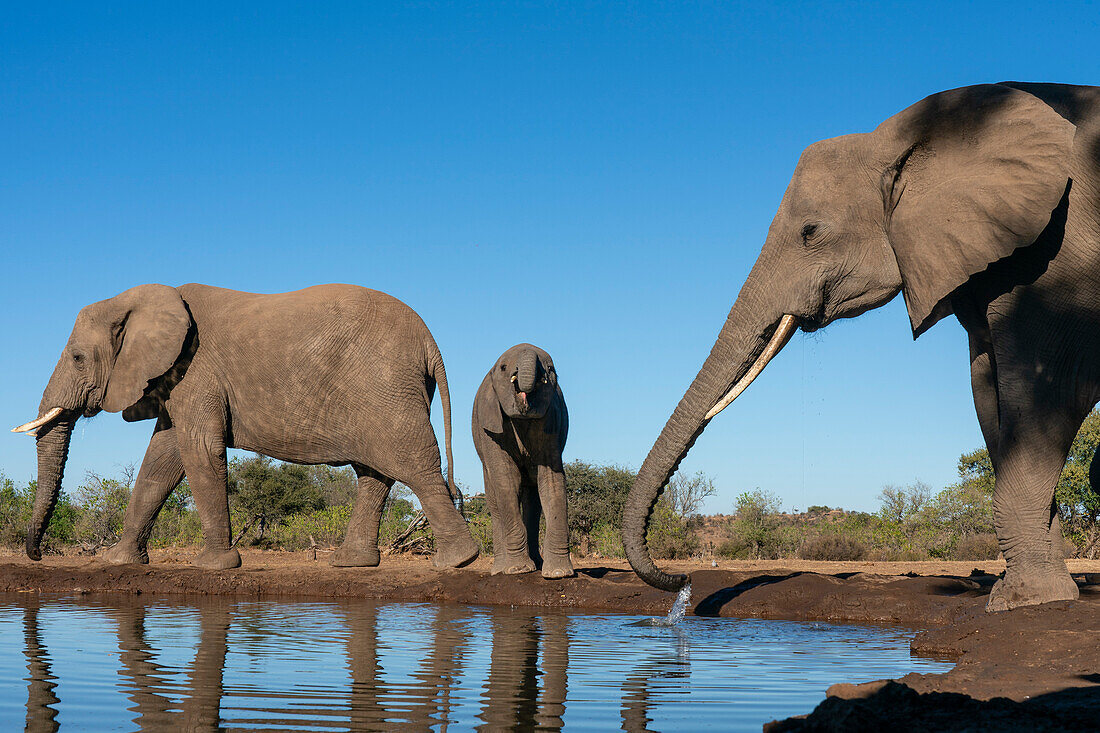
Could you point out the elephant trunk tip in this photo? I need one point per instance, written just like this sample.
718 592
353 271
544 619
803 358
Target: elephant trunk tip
34 549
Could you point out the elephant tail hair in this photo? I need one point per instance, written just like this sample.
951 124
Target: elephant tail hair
439 374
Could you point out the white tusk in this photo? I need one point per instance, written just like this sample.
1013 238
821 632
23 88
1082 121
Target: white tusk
787 326
31 428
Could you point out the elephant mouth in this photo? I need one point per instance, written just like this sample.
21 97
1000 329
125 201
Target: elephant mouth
522 403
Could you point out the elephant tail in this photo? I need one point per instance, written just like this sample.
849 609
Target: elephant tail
439 374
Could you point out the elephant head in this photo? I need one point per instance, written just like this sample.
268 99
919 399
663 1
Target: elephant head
931 197
118 347
524 386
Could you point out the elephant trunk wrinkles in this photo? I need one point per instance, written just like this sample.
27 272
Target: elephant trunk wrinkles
526 369
740 343
53 449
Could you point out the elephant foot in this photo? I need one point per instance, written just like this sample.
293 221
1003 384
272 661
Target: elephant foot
504 565
455 553
1030 588
355 557
554 568
218 559
125 553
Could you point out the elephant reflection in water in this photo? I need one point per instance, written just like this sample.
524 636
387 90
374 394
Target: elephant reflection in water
512 698
636 694
430 705
41 699
147 682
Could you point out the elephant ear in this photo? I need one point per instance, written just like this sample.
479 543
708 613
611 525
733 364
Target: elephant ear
487 409
978 172
148 325
557 418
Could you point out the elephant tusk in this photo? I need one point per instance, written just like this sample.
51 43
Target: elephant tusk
787 326
31 428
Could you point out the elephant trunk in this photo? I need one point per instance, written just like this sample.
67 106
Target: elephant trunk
752 334
526 371
53 449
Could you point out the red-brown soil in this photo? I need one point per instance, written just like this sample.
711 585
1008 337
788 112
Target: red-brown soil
1034 668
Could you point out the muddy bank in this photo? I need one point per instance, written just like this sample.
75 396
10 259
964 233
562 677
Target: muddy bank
839 592
1035 668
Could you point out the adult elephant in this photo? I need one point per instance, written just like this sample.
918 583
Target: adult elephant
333 374
520 425
982 201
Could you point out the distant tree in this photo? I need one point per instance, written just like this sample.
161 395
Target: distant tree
267 491
337 485
685 494
969 503
904 504
102 501
596 495
966 507
755 530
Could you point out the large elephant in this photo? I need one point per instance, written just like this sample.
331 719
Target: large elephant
983 202
520 425
333 374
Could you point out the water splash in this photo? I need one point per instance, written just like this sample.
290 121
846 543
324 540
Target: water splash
677 612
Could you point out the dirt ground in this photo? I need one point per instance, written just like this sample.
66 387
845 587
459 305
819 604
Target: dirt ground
1034 668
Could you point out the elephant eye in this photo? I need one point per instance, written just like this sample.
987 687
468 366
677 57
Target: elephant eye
808 232
78 357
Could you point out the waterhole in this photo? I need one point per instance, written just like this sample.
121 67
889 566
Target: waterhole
119 663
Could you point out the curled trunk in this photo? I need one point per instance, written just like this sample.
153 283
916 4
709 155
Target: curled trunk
526 369
741 342
53 449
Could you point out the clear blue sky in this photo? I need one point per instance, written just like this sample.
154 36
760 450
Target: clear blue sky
593 178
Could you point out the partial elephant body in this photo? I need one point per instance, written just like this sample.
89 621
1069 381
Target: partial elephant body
520 425
333 374
984 202
367 357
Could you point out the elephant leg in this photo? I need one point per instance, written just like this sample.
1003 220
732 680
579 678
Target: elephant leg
202 450
499 542
1032 446
360 546
556 562
413 459
504 483
161 472
531 510
454 545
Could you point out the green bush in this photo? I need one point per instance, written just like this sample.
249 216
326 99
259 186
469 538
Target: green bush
326 526
668 536
607 540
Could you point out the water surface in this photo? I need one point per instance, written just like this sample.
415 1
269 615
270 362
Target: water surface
125 663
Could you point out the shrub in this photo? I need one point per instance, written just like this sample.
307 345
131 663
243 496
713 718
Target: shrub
607 540
669 537
832 546
102 504
595 495
981 546
326 526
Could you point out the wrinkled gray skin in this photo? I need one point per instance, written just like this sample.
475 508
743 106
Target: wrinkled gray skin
333 374
520 425
983 202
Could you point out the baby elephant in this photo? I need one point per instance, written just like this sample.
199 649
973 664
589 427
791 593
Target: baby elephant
332 374
520 425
